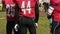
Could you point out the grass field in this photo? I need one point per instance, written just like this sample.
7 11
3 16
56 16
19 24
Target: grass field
43 27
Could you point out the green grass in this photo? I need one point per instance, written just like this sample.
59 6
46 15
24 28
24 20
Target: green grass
43 22
0 6
2 22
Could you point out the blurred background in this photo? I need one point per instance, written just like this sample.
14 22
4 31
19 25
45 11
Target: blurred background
43 28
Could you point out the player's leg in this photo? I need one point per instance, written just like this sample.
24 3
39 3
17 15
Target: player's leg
23 29
9 27
22 26
16 32
31 26
32 30
56 28
50 28
50 20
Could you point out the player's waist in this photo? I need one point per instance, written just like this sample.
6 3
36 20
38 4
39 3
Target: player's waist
27 16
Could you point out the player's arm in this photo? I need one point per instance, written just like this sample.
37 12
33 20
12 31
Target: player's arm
16 15
50 10
36 13
16 12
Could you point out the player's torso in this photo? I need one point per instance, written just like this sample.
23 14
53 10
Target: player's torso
56 12
56 5
9 9
10 13
27 7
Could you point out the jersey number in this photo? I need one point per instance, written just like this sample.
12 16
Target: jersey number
11 11
26 8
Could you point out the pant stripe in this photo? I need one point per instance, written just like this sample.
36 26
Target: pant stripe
56 27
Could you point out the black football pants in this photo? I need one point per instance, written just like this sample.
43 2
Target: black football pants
56 28
27 23
10 26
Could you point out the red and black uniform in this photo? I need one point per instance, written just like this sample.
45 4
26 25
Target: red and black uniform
10 11
27 10
56 16
28 15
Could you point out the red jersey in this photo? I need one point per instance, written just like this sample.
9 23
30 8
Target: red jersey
55 2
9 2
56 12
9 12
27 8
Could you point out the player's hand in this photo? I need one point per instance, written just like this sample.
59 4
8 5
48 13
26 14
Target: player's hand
16 27
36 25
7 6
50 10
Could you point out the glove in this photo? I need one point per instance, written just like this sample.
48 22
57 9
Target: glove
16 27
36 25
7 6
50 10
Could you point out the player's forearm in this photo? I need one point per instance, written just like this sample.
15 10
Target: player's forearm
16 15
36 13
